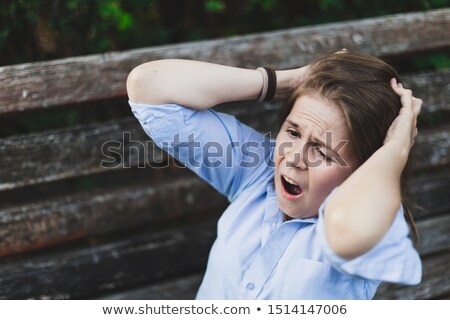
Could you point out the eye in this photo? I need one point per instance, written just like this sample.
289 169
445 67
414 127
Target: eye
293 133
322 155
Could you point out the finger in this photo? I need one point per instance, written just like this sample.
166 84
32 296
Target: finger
417 105
406 97
400 90
406 100
394 83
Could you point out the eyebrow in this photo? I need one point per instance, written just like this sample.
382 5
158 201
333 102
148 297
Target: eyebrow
292 123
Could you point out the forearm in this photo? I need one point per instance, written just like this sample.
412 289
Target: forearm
361 210
196 84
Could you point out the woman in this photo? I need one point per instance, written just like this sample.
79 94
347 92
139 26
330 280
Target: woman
318 213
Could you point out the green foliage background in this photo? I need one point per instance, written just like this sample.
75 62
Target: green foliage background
39 30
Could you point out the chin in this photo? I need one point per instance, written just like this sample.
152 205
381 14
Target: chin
296 213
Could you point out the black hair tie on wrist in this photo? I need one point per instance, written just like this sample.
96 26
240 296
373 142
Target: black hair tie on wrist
272 85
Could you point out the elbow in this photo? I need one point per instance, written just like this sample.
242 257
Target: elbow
140 82
352 230
344 240
135 82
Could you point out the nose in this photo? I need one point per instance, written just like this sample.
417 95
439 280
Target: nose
295 156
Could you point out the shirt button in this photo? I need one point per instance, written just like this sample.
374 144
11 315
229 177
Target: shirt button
250 286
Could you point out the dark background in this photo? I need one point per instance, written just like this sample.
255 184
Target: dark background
53 29
40 30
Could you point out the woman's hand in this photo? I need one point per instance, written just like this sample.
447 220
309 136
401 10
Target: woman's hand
299 75
289 80
403 129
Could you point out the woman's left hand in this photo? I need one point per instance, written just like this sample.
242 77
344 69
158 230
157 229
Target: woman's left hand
404 127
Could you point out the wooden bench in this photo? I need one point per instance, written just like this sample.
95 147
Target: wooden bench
72 228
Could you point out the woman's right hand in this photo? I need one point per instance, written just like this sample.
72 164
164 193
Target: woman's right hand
403 129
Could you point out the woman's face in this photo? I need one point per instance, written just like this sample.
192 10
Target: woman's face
312 156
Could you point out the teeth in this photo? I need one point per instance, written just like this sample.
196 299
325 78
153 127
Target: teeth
290 181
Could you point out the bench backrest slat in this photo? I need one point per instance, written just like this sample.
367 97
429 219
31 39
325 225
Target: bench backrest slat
79 150
60 82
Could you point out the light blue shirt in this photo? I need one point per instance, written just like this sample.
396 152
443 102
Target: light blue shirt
258 255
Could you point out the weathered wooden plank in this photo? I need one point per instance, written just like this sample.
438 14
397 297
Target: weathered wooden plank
432 88
435 235
435 282
432 148
65 153
169 195
430 191
146 258
37 225
44 157
85 272
44 84
184 288
86 149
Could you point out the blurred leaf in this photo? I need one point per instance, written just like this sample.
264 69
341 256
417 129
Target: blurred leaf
434 62
215 6
91 26
126 22
441 62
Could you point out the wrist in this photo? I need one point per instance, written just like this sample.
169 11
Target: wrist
285 83
397 154
290 80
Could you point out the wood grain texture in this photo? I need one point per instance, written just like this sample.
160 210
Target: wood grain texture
435 282
56 220
432 148
60 82
150 257
92 270
432 88
430 191
167 196
71 217
184 288
87 149
434 235
434 239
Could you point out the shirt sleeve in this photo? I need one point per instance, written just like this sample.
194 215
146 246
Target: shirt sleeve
393 259
227 154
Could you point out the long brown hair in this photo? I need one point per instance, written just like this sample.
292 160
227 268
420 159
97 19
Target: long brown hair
358 84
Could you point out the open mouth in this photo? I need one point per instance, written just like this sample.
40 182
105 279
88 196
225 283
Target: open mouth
290 186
